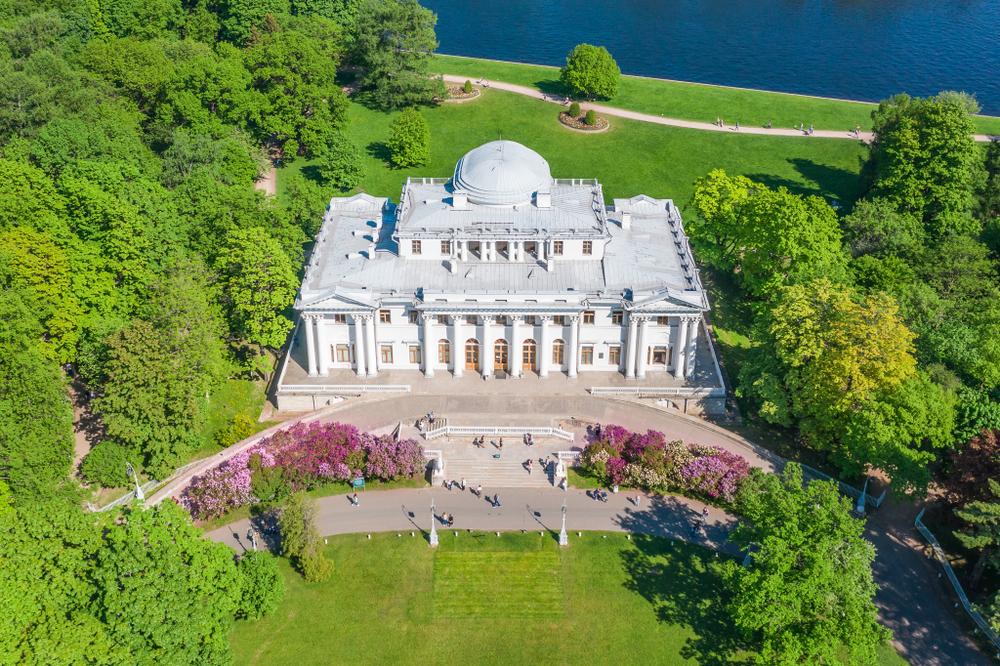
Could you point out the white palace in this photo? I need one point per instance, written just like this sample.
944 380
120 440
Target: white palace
500 271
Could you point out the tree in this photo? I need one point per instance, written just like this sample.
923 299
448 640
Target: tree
983 533
242 19
36 419
768 237
105 465
261 585
300 540
339 163
591 71
977 460
807 591
923 158
165 593
409 141
258 285
393 45
876 226
989 196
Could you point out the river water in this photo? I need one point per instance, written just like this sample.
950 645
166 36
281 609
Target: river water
857 49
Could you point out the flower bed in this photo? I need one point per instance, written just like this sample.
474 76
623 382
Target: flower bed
600 124
307 455
647 460
456 93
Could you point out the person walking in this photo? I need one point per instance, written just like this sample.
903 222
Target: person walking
638 501
355 500
462 483
479 490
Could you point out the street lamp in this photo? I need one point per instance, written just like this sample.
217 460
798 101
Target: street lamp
563 537
130 471
434 532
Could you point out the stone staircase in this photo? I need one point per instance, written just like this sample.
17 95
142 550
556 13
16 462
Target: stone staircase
507 472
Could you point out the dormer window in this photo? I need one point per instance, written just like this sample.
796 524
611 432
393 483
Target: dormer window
415 247
588 247
557 248
446 247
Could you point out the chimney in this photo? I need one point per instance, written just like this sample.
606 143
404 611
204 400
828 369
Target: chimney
459 200
453 265
550 264
626 220
543 199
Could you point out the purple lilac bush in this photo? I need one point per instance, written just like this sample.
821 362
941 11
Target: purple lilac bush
647 460
308 455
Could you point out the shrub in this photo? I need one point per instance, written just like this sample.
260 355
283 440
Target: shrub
574 110
105 465
590 118
241 427
409 141
590 70
467 87
262 585
340 163
300 540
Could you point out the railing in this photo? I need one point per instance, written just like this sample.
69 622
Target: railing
679 391
984 626
873 502
499 431
124 499
344 389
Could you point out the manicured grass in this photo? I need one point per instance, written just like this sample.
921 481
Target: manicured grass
691 101
631 158
603 600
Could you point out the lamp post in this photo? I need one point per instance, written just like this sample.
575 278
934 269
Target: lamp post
130 471
563 537
434 532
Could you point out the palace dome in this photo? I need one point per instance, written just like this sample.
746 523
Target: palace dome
501 173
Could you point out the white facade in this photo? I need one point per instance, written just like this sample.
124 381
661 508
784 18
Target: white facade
502 271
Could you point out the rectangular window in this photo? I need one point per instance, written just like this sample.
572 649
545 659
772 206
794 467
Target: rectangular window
557 248
615 355
530 320
385 316
559 320
343 354
663 321
442 319
415 354
415 247
588 316
617 317
414 317
446 247
587 355
471 320
588 247
444 352
339 319
386 353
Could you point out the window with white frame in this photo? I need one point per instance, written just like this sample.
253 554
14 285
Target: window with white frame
385 352
415 354
415 247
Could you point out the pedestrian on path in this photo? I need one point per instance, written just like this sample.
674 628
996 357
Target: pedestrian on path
355 500
462 484
637 501
496 500
479 490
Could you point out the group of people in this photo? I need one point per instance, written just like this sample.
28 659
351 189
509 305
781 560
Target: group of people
806 130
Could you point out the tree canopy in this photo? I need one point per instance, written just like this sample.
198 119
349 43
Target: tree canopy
409 140
591 71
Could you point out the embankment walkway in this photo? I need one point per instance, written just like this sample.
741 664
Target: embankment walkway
678 122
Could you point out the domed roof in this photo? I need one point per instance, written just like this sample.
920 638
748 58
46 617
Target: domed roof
501 173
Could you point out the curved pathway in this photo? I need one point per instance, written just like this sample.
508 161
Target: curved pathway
677 122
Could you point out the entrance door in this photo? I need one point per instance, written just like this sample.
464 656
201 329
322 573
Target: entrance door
500 356
529 355
472 354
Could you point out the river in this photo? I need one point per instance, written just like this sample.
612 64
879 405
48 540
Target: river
856 49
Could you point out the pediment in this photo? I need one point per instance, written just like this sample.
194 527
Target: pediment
335 299
357 203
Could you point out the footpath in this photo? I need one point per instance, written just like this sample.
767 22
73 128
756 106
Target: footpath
866 137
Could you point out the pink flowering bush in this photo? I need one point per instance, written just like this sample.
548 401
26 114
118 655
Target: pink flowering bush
307 455
647 460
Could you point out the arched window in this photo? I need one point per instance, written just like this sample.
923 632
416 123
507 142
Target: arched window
444 351
472 354
529 354
500 356
558 352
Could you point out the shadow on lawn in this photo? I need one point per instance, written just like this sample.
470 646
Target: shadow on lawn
821 180
683 583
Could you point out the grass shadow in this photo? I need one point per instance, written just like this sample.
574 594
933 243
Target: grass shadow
684 586
830 182
380 151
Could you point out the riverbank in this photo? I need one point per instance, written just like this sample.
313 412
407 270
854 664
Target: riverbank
690 101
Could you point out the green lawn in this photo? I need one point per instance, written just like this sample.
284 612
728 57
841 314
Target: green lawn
692 101
631 158
514 599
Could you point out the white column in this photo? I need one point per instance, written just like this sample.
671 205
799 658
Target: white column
310 323
322 347
679 346
429 345
464 245
370 349
574 344
640 351
486 346
630 347
544 345
516 346
692 346
359 345
457 346
542 254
